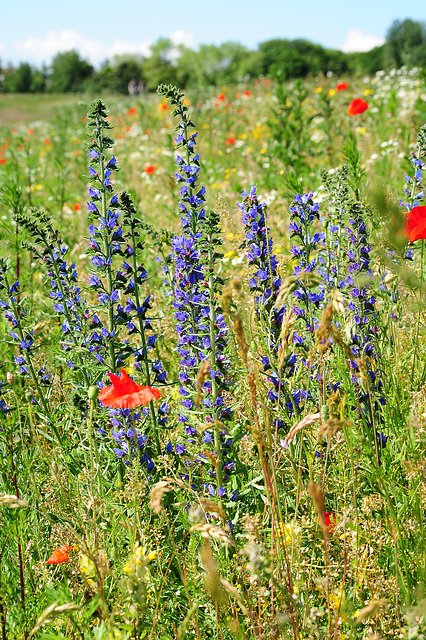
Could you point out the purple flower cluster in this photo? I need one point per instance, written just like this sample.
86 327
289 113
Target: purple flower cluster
303 214
117 275
414 188
200 325
361 305
265 283
23 338
349 269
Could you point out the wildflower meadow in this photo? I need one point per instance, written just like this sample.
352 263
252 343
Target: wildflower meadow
212 363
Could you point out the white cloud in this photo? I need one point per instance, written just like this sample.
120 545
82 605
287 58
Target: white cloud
43 49
182 37
357 40
119 47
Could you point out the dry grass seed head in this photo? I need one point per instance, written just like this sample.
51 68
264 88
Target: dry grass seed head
211 530
157 493
318 499
202 375
12 501
211 507
285 336
331 426
241 338
308 420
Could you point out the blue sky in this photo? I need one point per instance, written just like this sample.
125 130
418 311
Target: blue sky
35 31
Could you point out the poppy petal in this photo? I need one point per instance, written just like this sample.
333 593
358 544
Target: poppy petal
124 393
357 106
59 555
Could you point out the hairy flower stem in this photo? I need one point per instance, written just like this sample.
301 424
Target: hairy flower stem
416 347
18 538
92 469
213 363
135 502
30 365
66 310
108 267
144 348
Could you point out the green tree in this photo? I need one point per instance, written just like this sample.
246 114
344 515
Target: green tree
116 77
68 73
369 62
19 80
160 67
216 64
38 81
406 43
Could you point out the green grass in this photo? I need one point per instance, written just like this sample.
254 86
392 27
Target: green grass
320 531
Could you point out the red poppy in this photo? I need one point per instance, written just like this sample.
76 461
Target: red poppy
46 141
150 169
132 111
59 555
30 130
416 224
342 86
124 393
4 146
231 140
164 106
357 106
330 520
221 97
76 207
3 160
246 94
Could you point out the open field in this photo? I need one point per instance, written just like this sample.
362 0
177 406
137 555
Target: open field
257 471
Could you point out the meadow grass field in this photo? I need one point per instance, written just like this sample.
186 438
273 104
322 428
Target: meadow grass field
212 369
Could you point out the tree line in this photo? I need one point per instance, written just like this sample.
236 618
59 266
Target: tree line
219 65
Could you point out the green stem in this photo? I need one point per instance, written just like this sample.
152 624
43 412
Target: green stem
135 502
30 364
419 313
66 310
144 346
106 242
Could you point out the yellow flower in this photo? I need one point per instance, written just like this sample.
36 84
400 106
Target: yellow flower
127 569
368 92
332 93
263 150
362 131
151 556
318 90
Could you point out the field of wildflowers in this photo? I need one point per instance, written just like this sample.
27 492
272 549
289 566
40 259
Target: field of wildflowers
212 371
